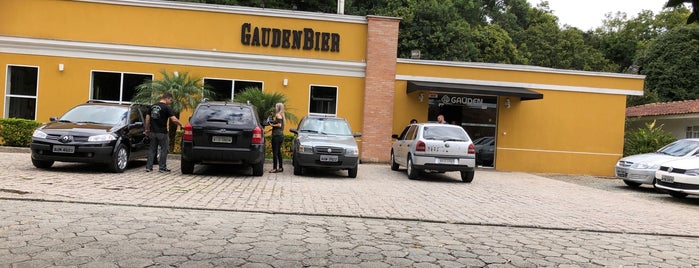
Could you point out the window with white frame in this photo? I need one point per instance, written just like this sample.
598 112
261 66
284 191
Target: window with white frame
692 132
226 89
20 92
116 87
323 100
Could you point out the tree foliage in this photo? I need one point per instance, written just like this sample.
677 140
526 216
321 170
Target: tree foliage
646 140
265 102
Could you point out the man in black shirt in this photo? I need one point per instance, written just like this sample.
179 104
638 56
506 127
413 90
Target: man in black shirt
156 129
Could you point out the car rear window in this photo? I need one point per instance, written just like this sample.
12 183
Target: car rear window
444 133
96 114
223 114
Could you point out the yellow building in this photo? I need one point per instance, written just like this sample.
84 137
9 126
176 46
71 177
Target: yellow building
58 53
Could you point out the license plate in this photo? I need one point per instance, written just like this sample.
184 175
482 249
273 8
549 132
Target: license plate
222 139
666 178
328 158
450 161
63 149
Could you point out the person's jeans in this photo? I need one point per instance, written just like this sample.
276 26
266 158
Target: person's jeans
155 140
277 151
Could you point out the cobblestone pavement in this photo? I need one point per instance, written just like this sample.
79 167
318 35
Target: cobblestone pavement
380 218
48 234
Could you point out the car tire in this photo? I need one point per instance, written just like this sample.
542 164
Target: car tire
258 169
394 165
632 183
120 159
186 166
352 172
467 176
43 164
298 169
676 194
412 172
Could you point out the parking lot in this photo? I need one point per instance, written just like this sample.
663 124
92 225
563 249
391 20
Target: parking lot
494 198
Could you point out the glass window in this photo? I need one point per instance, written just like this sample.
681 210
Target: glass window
224 114
20 92
411 133
116 87
323 100
225 89
445 133
692 132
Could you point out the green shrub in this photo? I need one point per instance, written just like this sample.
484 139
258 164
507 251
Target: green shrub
17 132
646 140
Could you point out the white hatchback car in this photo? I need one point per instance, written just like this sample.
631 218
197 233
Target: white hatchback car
640 169
679 178
434 147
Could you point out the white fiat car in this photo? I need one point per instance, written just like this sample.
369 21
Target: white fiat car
640 169
432 147
679 178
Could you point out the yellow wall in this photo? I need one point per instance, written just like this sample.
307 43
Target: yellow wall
565 132
165 27
59 91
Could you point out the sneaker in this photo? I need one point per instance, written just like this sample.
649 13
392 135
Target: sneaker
164 170
149 169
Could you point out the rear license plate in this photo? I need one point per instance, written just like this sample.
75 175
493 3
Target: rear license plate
328 158
222 139
450 161
666 178
63 149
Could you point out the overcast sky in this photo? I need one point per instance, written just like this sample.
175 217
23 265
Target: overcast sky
588 14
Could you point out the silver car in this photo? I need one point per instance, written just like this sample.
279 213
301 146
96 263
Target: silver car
325 143
434 147
640 169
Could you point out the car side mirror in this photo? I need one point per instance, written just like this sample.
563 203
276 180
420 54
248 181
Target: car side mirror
394 136
293 130
53 119
357 134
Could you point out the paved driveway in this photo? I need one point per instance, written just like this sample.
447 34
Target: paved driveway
493 199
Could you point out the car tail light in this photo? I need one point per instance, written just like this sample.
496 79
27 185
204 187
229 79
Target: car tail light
187 136
420 146
257 135
471 149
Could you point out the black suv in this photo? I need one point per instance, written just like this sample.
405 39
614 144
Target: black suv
223 133
92 132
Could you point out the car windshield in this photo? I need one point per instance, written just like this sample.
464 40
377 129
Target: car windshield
329 126
96 114
229 115
679 148
444 133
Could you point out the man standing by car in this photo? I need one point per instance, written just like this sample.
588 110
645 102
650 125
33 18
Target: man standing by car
156 128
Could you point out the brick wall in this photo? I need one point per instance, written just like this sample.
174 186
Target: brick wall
382 50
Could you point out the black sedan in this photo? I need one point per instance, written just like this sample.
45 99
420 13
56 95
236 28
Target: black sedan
92 132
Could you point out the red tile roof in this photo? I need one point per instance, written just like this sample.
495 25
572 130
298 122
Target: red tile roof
664 108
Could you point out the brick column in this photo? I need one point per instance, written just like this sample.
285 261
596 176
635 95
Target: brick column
379 88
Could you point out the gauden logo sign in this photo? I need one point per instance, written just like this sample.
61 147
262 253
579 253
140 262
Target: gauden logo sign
306 38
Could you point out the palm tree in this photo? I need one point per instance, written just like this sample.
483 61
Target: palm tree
187 92
264 102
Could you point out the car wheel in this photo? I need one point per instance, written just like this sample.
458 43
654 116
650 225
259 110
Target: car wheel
298 169
632 183
120 159
676 194
258 169
394 165
412 172
42 163
352 172
186 166
467 176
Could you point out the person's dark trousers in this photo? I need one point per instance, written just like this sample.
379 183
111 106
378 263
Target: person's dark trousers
277 151
155 140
